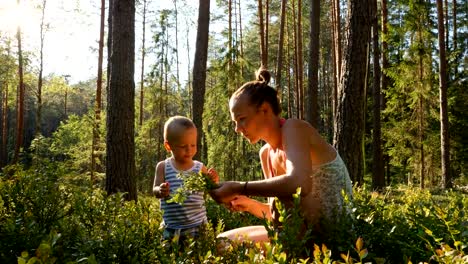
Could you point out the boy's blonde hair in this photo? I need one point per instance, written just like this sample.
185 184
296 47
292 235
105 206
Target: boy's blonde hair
174 125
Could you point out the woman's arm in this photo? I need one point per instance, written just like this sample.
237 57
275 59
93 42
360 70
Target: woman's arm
296 143
296 139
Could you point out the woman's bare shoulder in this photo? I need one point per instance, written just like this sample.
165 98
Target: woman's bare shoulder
298 127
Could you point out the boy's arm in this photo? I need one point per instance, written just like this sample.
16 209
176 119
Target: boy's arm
243 203
158 186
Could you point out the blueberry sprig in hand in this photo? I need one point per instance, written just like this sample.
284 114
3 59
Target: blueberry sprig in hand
193 182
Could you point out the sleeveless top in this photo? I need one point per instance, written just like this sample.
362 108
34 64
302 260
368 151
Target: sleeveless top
325 201
192 212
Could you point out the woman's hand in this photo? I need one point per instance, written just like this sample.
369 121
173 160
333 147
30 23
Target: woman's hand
225 193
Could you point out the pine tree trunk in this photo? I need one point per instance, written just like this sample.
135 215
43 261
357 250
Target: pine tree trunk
385 66
300 64
241 41
333 21
446 21
199 68
279 62
41 68
261 30
20 99
3 150
267 23
120 168
143 55
290 85
421 120
189 73
444 124
296 63
96 156
109 42
230 34
176 42
454 36
378 177
312 113
338 52
349 122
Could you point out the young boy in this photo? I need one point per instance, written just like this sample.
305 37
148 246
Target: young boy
180 220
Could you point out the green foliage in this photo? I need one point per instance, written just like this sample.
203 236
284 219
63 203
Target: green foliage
394 223
192 182
292 237
411 115
45 218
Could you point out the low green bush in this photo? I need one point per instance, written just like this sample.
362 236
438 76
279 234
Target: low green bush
47 216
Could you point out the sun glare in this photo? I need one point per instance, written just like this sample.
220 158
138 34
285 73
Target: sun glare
13 15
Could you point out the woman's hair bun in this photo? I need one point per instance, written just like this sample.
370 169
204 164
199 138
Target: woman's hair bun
263 75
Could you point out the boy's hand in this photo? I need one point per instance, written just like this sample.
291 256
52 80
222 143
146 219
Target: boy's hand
164 189
213 175
240 203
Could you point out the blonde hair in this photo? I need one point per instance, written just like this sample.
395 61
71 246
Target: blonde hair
173 126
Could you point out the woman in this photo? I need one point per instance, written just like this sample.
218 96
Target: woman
295 155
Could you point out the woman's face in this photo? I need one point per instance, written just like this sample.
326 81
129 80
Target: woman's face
246 119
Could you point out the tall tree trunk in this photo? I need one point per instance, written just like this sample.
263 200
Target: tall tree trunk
446 21
300 68
65 101
295 62
421 118
349 122
261 30
96 157
41 68
378 177
455 73
176 43
338 52
385 66
199 68
422 168
333 21
143 55
267 23
291 65
290 86
109 42
444 124
230 35
312 113
241 39
120 169
279 62
189 74
3 150
20 99
166 73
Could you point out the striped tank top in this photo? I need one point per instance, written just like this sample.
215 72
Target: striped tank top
192 212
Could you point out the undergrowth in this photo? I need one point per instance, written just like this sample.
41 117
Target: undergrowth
47 216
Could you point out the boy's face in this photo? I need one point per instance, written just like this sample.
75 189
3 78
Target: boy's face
184 146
